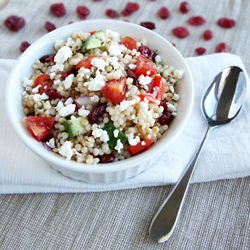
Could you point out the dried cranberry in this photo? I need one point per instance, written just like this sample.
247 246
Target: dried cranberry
222 47
106 158
147 52
163 13
112 13
64 75
58 9
82 11
164 105
148 25
196 20
200 50
24 45
52 93
47 58
180 32
130 8
208 35
165 118
97 112
49 26
131 73
226 23
184 7
14 23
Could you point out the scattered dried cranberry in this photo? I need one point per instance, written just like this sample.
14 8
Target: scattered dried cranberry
222 47
196 20
82 11
112 13
97 112
47 58
180 32
24 45
58 9
163 13
130 8
14 23
200 51
49 26
208 35
165 118
184 7
52 93
148 25
226 23
147 52
106 158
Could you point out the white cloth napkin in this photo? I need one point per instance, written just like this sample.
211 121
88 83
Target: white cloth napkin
225 155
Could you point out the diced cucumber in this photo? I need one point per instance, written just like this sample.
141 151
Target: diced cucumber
95 41
74 127
110 128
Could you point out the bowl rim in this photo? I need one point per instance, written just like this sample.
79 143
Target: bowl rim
100 167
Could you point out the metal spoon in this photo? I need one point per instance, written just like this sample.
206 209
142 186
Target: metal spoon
221 103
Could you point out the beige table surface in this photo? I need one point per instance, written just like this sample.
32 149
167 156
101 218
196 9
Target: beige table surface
216 215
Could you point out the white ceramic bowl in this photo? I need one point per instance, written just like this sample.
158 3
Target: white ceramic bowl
109 172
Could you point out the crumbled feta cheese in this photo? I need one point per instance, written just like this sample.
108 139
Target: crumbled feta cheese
59 106
112 34
132 66
95 84
115 74
38 97
57 82
132 140
116 133
143 143
100 133
66 150
129 80
113 61
35 90
144 80
68 81
51 143
178 73
94 98
52 75
67 110
83 112
157 59
62 55
68 101
98 63
27 82
148 72
125 104
83 72
119 146
115 49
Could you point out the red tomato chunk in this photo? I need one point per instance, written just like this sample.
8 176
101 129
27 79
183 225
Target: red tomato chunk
39 127
140 146
145 67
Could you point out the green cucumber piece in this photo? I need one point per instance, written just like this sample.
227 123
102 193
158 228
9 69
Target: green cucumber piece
74 127
95 41
110 128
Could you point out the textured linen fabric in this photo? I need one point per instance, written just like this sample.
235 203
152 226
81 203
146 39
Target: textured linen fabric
216 215
27 173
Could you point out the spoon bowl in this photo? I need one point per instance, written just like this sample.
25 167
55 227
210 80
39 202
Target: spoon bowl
220 104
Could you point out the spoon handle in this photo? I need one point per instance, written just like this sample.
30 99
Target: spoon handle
164 221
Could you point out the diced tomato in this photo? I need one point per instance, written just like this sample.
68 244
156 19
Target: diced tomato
157 87
115 90
140 146
92 32
44 81
128 42
150 97
86 63
40 127
144 66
